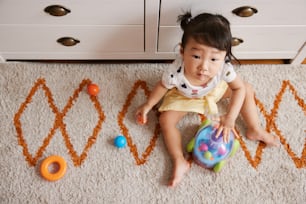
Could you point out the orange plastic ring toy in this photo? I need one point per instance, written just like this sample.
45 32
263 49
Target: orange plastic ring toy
53 176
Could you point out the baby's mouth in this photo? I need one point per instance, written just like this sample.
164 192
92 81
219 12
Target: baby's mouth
202 75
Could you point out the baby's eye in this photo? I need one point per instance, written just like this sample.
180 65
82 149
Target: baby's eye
214 59
196 56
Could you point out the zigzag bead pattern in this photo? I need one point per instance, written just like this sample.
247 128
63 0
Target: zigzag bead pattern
58 123
300 162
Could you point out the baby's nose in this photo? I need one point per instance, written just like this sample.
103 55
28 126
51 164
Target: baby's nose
203 67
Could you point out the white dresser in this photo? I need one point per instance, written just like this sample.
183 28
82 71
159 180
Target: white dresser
66 29
274 29
144 29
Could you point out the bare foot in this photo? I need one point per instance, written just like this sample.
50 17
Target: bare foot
181 167
263 136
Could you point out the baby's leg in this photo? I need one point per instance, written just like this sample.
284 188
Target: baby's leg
250 116
173 141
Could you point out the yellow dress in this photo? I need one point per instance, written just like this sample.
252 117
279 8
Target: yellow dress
174 100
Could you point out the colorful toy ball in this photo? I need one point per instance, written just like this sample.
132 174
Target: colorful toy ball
120 141
93 89
210 151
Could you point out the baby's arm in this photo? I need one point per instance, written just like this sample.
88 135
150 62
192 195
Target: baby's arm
237 98
156 95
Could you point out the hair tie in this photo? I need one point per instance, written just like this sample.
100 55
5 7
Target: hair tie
188 19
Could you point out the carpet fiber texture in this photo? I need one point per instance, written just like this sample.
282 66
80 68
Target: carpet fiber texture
45 110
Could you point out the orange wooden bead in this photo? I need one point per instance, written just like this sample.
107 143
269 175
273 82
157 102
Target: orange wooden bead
93 89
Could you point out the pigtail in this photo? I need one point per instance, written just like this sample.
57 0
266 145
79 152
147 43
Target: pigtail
184 19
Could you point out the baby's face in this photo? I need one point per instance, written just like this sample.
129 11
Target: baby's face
201 62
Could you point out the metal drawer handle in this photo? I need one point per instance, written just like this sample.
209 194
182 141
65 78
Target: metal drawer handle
57 10
245 11
236 41
68 41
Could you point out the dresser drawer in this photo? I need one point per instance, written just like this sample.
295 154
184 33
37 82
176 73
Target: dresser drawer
91 38
272 12
272 39
89 12
268 42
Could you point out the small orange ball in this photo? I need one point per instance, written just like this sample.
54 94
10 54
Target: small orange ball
93 89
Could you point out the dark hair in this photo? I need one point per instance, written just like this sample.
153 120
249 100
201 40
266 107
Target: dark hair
210 29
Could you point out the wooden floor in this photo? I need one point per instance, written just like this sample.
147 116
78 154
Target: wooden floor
267 61
163 61
262 62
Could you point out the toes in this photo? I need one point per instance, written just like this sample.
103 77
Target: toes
178 174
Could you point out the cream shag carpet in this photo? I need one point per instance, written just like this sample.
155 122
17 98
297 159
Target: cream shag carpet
45 110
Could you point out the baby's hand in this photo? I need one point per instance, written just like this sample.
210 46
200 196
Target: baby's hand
225 132
226 126
141 114
140 120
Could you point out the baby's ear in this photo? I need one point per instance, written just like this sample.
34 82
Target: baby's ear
181 49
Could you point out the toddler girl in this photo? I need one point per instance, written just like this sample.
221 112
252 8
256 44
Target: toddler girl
199 78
